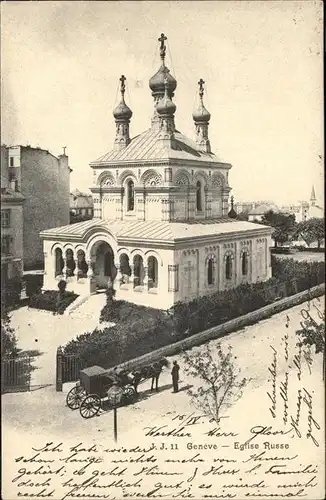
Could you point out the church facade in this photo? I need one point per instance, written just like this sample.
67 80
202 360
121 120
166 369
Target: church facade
161 231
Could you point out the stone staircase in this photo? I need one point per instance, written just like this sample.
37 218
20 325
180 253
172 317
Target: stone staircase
87 306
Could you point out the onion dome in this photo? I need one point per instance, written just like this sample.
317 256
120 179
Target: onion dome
157 85
122 111
157 82
201 114
165 106
232 213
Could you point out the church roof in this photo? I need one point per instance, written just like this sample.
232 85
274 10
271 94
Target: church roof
148 146
154 231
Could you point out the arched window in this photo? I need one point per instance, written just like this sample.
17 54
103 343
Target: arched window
210 277
82 266
59 263
152 272
228 267
130 195
138 271
244 263
199 205
125 268
70 262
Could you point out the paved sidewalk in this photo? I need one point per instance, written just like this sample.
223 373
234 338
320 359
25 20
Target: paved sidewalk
44 331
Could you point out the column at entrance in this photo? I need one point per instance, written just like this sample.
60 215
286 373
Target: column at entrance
118 277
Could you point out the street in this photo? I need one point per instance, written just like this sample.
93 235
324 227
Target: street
42 416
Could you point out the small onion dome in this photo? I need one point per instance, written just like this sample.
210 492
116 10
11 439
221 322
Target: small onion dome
157 82
122 112
232 214
165 106
201 114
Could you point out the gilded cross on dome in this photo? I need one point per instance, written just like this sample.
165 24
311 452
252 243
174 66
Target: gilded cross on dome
123 87
201 88
162 46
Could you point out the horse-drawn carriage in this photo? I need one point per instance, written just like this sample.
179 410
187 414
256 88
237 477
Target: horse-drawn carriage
90 393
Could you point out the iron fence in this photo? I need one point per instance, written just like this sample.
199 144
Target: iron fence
71 366
68 368
16 374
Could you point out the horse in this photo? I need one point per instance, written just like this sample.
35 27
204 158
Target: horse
152 371
122 378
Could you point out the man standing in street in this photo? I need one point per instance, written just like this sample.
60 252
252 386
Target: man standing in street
175 376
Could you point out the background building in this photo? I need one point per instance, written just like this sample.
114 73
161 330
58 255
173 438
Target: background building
43 181
302 210
11 224
81 206
260 208
314 208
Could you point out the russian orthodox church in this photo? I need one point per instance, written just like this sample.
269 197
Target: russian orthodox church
161 231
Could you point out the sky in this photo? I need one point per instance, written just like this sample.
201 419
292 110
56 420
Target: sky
262 63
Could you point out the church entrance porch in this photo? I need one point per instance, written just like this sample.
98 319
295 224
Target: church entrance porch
104 269
142 277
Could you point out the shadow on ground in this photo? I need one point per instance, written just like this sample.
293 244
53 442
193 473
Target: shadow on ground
31 353
38 387
142 396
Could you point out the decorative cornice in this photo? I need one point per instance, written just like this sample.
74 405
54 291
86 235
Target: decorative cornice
212 239
170 162
179 243
162 244
107 189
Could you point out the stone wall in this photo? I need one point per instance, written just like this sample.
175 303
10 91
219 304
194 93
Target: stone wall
193 265
182 274
161 192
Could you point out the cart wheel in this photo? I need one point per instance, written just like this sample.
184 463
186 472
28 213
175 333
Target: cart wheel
74 397
129 393
90 406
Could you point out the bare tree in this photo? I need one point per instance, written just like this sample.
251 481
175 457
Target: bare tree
221 385
312 333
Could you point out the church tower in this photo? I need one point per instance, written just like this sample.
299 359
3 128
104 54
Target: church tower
313 197
160 81
122 115
165 110
201 118
161 175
